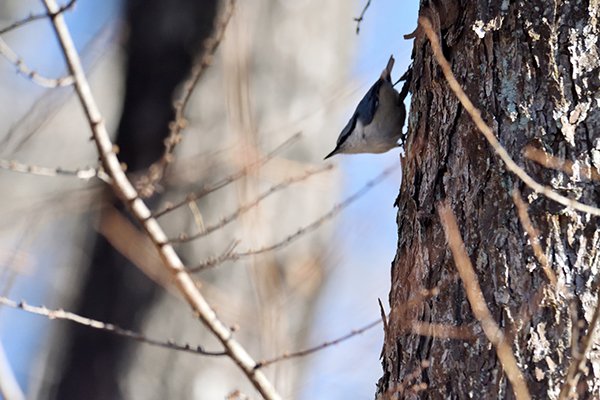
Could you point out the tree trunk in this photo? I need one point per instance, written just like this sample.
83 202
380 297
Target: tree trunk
532 68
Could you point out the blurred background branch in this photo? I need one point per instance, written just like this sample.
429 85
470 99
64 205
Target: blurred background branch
78 250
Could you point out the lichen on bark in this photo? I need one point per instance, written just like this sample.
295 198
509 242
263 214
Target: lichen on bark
533 69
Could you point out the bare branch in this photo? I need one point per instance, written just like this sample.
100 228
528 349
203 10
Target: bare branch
386 325
50 102
415 327
198 218
489 134
157 170
362 16
248 206
315 224
211 45
127 193
477 301
228 179
533 237
105 327
126 238
580 358
237 395
80 173
28 73
440 331
332 213
310 350
35 17
566 166
211 262
398 390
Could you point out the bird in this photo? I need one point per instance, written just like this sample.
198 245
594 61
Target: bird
376 125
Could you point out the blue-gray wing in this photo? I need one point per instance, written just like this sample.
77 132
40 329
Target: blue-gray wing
365 111
368 105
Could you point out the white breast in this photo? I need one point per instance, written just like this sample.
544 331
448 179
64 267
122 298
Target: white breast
383 132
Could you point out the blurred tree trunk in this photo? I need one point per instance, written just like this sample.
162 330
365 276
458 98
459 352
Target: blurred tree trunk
533 69
163 39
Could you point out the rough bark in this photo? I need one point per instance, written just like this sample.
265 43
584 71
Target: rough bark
532 68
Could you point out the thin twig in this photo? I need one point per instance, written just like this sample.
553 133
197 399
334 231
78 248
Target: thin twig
157 170
533 237
318 222
332 213
211 45
423 328
397 391
566 166
362 16
21 22
28 73
489 134
127 193
440 331
237 395
310 350
210 262
51 102
198 218
80 173
477 301
384 319
248 206
133 244
105 327
581 357
34 17
207 189
417 327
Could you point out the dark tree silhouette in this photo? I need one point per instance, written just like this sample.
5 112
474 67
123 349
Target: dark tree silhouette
164 37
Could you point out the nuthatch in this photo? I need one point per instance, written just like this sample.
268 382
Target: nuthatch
377 122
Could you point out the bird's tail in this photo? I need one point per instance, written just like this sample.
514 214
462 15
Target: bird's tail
386 74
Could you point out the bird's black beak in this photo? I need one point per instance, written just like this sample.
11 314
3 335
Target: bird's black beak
334 152
386 74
